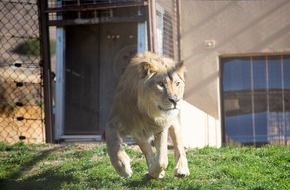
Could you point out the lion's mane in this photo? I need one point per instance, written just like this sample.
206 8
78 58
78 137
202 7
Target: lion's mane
134 104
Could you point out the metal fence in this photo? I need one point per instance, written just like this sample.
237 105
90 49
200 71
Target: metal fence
21 97
166 30
21 79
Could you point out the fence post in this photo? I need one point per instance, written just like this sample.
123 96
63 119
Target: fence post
46 65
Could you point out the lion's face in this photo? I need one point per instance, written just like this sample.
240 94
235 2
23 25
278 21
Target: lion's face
161 86
166 90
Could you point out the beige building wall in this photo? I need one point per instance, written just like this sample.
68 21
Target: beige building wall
210 29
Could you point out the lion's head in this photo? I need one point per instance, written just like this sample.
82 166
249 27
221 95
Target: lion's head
151 85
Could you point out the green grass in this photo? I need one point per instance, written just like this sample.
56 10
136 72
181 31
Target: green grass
87 166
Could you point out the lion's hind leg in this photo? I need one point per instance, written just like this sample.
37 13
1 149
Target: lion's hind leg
119 158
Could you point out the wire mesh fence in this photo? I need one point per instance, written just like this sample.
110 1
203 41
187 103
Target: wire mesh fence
21 99
21 81
167 28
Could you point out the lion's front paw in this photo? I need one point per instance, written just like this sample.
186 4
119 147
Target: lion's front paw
122 165
160 175
157 174
157 171
181 171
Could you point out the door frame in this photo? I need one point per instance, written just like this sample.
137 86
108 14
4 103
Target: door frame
59 107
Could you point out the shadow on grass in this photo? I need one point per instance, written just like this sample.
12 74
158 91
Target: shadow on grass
46 180
139 183
49 179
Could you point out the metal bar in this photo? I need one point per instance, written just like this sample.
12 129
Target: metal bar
142 37
45 61
96 21
178 12
87 7
95 137
59 83
150 26
224 140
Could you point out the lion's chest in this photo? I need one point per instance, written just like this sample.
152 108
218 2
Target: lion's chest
147 131
144 128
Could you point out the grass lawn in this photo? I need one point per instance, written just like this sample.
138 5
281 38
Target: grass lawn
87 166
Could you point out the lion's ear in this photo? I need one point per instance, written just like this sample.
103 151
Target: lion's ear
147 69
180 69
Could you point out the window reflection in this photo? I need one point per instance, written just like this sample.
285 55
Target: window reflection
257 99
238 74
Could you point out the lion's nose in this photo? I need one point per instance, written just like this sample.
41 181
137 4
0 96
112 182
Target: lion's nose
174 100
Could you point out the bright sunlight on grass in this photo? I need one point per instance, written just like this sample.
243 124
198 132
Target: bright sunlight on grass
87 166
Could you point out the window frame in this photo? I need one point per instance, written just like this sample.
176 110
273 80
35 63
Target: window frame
283 56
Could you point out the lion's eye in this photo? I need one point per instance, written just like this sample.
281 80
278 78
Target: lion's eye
161 84
177 83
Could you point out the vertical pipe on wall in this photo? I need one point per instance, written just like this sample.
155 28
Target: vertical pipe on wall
178 12
46 69
152 25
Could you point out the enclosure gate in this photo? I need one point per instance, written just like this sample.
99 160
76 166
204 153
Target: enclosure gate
25 56
21 97
159 22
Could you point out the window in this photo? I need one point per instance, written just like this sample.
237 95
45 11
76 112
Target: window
166 29
256 99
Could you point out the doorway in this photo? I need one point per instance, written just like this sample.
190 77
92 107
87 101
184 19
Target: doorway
118 44
95 57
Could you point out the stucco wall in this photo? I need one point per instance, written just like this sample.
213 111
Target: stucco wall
199 129
233 27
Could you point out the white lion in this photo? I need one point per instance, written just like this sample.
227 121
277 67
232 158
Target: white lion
146 106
